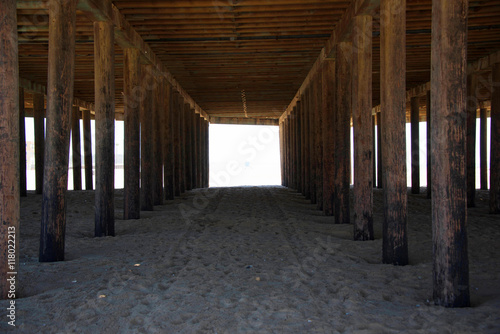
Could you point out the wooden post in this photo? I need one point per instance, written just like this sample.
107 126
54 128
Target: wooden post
75 143
449 116
104 92
169 145
62 17
429 147
39 116
298 161
131 81
495 143
374 162
471 140
415 146
393 106
194 134
328 134
342 137
483 141
307 143
158 134
147 138
363 127
22 145
189 146
206 153
380 166
303 127
282 152
199 148
9 148
177 141
312 141
319 141
87 150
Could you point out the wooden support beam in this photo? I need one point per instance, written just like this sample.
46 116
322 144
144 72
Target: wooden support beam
169 144
363 127
393 105
178 102
244 121
282 152
182 112
380 163
75 143
189 147
429 146
199 150
39 124
158 135
194 140
342 122
495 143
87 150
206 153
415 146
9 149
483 149
448 146
318 142
328 135
59 103
131 80
374 161
104 92
146 107
303 134
472 104
298 161
307 144
22 145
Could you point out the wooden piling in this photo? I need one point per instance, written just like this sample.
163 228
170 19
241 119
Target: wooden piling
328 136
428 115
9 147
158 134
483 141
495 143
363 127
380 166
147 85
298 162
318 133
415 145
76 148
448 145
169 145
194 134
22 145
199 149
307 143
342 154
471 140
104 92
177 141
61 58
393 106
131 79
39 120
374 161
189 146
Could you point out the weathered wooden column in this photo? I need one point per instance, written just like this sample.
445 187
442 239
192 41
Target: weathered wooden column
9 147
342 137
495 143
415 145
147 137
298 147
178 102
131 79
363 127
483 149
169 145
75 143
189 146
198 152
319 140
429 147
62 17
374 161
328 134
87 149
307 143
303 131
312 141
39 120
194 134
182 115
22 145
206 153
393 106
204 145
293 117
282 152
104 92
471 140
287 150
380 166
448 144
158 134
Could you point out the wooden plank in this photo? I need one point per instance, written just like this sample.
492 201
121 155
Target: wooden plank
104 72
77 154
342 123
448 146
415 146
9 150
59 103
244 121
363 127
393 105
495 143
131 80
39 124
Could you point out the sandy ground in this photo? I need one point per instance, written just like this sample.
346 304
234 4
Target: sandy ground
245 260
